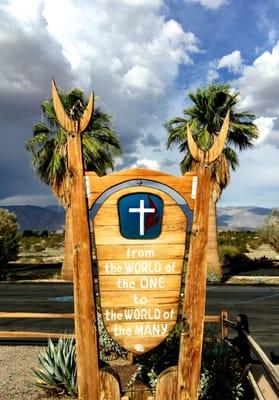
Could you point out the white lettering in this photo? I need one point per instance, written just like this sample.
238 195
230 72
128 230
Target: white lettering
151 330
143 267
124 284
143 253
147 282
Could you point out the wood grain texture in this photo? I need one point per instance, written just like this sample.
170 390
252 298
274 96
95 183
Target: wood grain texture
139 283
110 235
173 213
84 298
155 297
133 267
32 335
166 384
181 184
195 291
139 391
173 231
151 309
109 384
174 252
4 314
132 270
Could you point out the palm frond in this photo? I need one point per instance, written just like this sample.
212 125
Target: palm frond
206 116
48 146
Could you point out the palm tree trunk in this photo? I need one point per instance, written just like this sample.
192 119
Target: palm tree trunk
213 260
67 267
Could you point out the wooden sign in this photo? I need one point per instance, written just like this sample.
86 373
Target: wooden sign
140 235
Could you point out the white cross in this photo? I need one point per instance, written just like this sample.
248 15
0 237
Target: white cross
141 210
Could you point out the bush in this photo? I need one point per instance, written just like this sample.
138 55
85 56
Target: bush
228 251
222 371
270 230
9 237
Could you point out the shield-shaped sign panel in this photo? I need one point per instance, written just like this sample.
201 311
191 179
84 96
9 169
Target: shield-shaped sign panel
140 243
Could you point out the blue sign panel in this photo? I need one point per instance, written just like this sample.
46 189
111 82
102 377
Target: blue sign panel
140 215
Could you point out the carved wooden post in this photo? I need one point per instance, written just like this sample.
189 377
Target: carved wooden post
195 290
84 296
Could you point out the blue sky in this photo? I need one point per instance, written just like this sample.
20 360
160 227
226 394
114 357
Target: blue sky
141 57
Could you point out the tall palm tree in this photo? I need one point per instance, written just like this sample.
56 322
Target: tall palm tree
205 117
48 148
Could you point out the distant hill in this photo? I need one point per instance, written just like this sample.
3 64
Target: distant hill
241 218
37 218
52 218
57 209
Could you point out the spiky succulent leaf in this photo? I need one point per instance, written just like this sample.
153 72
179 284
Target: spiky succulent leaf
57 371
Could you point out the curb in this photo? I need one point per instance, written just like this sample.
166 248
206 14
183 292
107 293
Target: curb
252 280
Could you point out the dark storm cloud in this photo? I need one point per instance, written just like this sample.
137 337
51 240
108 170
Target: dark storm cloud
29 58
150 140
128 160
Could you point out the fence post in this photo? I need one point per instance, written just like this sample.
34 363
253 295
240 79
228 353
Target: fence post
243 325
224 329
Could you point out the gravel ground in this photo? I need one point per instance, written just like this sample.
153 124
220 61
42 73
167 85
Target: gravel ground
16 377
15 374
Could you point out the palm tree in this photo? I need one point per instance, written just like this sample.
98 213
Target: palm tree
48 148
205 117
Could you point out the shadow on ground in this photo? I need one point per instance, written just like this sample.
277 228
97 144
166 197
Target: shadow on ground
243 265
14 271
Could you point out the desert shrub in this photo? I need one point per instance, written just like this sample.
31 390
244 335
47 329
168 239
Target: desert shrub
57 372
242 241
9 237
270 230
55 240
228 251
152 363
222 373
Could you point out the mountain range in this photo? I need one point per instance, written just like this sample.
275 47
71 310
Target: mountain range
52 218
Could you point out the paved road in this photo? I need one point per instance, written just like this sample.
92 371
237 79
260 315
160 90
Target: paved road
259 303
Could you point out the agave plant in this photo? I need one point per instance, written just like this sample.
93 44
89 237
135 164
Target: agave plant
57 371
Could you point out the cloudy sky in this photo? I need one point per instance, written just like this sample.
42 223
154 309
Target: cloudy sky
141 57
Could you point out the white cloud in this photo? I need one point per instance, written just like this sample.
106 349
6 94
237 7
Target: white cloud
145 163
259 82
258 87
212 74
209 4
232 61
131 42
129 53
265 126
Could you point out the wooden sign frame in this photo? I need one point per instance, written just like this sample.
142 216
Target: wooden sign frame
193 315
112 248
